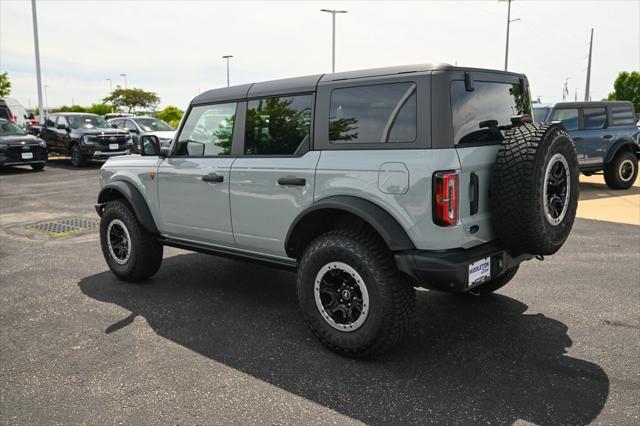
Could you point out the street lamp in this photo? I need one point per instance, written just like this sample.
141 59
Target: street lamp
125 80
227 57
333 13
509 21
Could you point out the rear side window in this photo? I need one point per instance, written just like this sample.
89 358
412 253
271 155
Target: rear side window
594 118
569 118
277 126
622 115
382 113
478 115
4 112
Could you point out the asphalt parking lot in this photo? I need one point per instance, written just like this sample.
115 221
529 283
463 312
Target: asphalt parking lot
216 341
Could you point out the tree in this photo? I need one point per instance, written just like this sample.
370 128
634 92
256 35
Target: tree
132 99
100 109
5 85
71 108
626 87
171 115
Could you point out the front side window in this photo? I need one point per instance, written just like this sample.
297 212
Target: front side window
153 125
381 113
130 125
622 115
594 118
478 115
569 118
207 131
277 126
62 121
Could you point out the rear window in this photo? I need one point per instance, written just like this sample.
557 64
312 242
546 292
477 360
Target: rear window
381 113
594 118
622 115
478 115
569 118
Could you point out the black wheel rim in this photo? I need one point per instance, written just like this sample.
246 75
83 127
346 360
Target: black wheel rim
75 156
341 296
119 241
556 189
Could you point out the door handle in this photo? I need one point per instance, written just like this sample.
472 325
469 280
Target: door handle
607 137
292 181
212 177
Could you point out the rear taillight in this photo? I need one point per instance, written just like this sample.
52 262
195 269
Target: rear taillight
12 117
445 198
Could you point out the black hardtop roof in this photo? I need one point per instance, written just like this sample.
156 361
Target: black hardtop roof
310 82
593 104
73 113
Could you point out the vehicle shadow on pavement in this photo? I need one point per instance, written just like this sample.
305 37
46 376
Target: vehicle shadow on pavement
467 360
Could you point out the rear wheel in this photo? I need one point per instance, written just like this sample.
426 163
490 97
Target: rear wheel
622 172
351 294
77 158
132 253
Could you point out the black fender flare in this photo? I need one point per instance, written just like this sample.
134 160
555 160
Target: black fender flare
393 234
130 193
620 144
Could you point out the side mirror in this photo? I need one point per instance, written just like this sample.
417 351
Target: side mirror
165 151
149 145
114 125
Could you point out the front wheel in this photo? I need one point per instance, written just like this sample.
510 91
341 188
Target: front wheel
351 294
77 158
37 167
132 253
622 172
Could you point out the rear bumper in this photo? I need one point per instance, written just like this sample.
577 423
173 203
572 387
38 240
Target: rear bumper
448 270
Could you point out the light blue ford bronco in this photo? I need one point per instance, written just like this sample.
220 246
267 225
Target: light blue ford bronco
367 183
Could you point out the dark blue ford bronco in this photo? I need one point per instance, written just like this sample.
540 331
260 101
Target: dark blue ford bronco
606 137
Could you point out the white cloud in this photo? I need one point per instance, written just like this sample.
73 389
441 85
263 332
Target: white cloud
174 47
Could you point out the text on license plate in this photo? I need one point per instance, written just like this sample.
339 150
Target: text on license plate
113 146
479 271
27 155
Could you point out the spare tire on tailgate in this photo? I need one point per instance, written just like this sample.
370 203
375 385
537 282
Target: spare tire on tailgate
534 188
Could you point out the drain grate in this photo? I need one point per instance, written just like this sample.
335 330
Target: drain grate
64 227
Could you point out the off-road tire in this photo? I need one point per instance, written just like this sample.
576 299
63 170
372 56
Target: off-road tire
391 296
616 172
145 250
37 167
494 284
77 158
517 199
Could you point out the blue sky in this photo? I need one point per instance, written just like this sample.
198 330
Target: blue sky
174 47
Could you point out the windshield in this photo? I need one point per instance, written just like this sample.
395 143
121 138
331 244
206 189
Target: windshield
7 128
540 114
87 121
153 125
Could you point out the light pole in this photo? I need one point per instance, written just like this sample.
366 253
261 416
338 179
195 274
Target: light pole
509 21
125 80
227 57
333 13
110 85
36 44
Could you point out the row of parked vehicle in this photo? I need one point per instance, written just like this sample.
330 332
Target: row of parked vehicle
81 136
605 133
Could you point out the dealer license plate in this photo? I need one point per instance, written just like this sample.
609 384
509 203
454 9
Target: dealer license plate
113 146
479 271
27 155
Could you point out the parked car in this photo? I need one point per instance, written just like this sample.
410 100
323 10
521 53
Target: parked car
138 126
12 110
84 137
368 183
18 148
606 137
